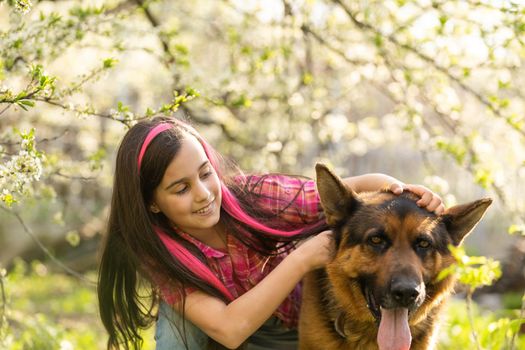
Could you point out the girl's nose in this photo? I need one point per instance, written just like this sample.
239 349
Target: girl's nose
202 194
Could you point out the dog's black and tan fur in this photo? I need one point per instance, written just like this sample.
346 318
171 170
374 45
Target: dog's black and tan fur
388 255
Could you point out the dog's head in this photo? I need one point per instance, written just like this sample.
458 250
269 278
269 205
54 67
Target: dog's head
389 253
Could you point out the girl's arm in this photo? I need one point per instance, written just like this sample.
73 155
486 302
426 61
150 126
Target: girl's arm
231 324
373 182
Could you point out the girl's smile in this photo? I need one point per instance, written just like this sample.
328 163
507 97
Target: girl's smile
207 209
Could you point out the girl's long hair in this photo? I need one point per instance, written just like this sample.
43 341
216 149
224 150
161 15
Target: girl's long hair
141 248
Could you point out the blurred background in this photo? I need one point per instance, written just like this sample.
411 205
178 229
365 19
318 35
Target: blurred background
431 92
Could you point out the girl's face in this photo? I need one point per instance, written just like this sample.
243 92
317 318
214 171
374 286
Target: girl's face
189 194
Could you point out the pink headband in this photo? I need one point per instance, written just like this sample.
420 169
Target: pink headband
151 135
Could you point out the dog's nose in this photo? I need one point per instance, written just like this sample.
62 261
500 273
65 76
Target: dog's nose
405 292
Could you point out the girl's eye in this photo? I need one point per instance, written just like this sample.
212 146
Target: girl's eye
182 190
205 175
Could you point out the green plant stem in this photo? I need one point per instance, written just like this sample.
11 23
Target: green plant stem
471 319
4 301
521 317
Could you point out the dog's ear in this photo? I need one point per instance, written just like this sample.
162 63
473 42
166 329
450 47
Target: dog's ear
460 220
336 198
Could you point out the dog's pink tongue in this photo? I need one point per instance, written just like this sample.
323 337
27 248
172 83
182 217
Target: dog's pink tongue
394 332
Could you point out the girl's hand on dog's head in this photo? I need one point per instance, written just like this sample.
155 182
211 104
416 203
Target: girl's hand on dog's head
427 199
396 187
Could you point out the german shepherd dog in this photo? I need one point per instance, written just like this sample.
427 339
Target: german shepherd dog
381 290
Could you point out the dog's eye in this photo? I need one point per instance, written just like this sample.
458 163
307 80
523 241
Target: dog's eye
423 244
376 240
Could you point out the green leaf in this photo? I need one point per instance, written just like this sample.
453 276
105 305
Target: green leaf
267 54
307 78
445 273
443 19
18 43
378 40
191 93
515 325
121 108
28 103
54 18
473 271
109 63
453 148
484 178
246 50
242 101
149 112
181 49
21 95
97 158
73 238
8 199
25 104
516 229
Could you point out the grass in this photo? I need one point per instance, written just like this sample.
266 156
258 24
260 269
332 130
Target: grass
53 311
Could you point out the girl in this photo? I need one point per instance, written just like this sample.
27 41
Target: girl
217 247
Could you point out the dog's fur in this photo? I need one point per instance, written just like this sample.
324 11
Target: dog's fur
388 255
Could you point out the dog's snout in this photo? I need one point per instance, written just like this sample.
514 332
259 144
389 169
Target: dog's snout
405 292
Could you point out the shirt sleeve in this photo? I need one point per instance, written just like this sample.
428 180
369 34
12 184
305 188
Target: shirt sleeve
171 293
173 297
294 200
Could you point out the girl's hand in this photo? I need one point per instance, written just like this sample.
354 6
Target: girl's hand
428 199
317 251
374 182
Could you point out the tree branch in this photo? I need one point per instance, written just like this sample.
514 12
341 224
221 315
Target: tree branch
45 250
308 30
432 62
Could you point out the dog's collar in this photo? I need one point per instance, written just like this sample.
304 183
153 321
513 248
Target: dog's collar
339 324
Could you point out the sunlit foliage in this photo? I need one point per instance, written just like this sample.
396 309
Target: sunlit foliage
429 91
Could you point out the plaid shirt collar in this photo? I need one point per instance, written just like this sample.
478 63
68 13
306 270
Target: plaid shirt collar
208 251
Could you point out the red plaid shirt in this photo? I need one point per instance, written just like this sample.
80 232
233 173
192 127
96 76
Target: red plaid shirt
240 268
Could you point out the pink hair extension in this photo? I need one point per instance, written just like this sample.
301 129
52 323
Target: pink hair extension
231 205
194 264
